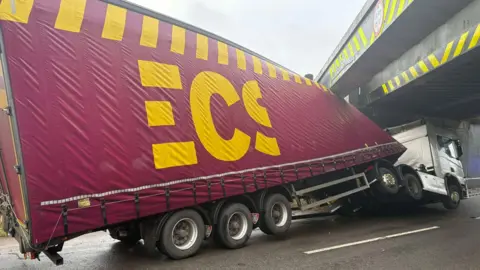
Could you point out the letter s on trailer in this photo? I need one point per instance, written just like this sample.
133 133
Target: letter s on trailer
115 117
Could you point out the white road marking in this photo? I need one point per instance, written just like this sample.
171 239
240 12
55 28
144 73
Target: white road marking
369 240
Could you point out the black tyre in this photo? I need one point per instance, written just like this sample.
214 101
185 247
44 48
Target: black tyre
182 235
387 181
452 200
234 226
278 215
413 186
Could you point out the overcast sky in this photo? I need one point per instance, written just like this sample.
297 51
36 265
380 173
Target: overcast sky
299 34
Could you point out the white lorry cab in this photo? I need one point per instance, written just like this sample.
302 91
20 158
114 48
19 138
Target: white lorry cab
434 151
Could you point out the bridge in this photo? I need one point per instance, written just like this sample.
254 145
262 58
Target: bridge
405 59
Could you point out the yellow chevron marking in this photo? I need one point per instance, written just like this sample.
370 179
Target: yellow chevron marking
401 7
423 66
297 78
357 44
149 37
222 53
372 38
385 89
22 11
392 11
345 53
272 72
363 37
241 60
405 76
446 54
70 15
433 60
257 65
350 48
115 20
308 82
414 72
390 83
285 75
460 44
397 81
178 40
202 47
385 9
475 38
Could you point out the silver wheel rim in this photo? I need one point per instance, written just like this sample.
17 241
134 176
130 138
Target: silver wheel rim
279 214
389 180
184 233
237 226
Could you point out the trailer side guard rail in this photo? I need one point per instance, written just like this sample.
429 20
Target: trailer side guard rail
360 187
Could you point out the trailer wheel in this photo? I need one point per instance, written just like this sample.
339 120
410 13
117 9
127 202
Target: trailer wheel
452 200
413 187
234 226
387 181
278 215
182 235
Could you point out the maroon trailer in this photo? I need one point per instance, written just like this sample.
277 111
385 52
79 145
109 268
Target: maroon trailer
119 118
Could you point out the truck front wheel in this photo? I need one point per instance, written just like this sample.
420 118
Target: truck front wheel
413 187
278 215
182 235
234 226
452 200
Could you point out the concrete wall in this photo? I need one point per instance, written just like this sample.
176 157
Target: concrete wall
463 20
471 158
469 132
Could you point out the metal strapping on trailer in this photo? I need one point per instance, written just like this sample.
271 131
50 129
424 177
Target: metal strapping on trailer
332 198
195 193
103 209
65 219
255 181
137 205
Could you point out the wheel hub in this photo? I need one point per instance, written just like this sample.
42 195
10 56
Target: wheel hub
184 233
388 179
237 226
279 214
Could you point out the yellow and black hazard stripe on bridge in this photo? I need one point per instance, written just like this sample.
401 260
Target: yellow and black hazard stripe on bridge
461 45
366 33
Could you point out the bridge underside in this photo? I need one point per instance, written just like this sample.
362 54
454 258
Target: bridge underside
451 91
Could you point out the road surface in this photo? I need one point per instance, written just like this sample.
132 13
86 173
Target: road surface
425 238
